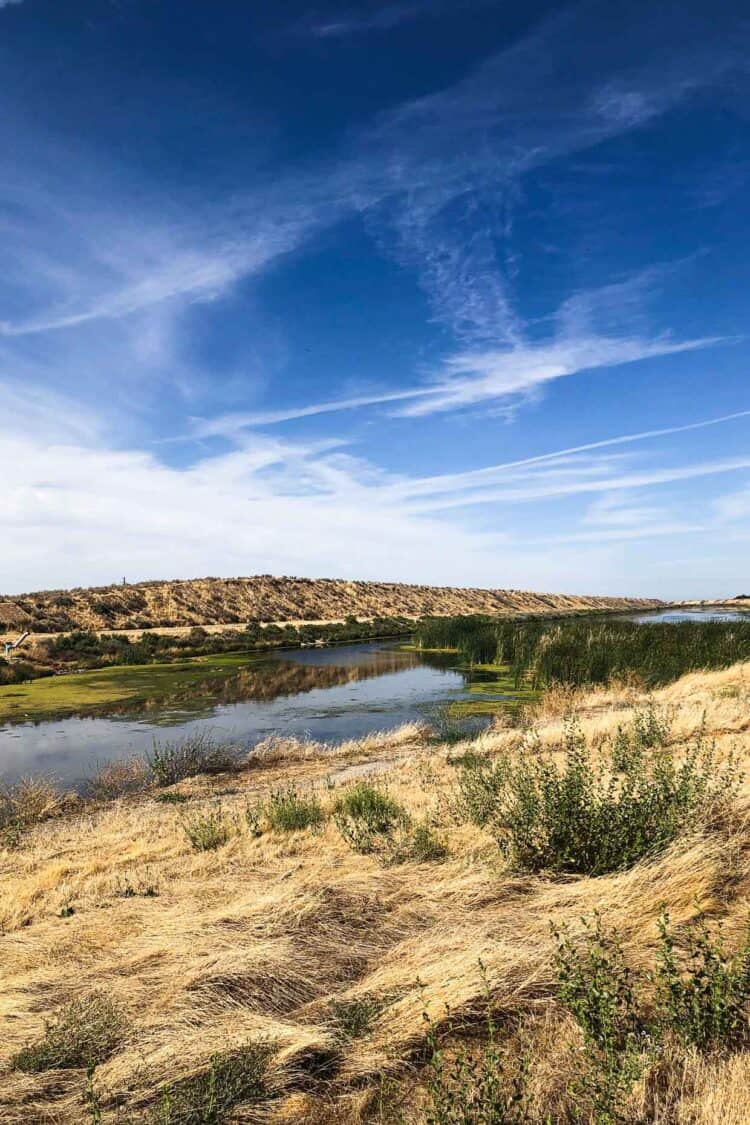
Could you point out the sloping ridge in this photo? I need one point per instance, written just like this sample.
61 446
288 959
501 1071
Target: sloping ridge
214 601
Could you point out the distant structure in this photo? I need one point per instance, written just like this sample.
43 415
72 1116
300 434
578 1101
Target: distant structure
11 646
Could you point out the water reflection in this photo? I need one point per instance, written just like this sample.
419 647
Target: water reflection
328 694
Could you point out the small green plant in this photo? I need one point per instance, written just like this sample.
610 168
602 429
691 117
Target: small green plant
199 754
141 886
469 759
207 830
171 798
235 1078
351 1019
366 814
253 817
82 1034
485 1086
595 984
698 994
702 993
418 843
287 811
649 730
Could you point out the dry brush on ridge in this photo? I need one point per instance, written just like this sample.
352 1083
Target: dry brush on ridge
396 930
207 601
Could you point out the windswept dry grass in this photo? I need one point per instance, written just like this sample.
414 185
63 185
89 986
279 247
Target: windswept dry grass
326 961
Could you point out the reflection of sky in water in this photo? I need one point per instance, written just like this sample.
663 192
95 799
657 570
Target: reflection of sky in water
70 748
675 616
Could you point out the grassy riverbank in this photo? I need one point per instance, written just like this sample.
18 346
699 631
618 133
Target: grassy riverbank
295 941
89 692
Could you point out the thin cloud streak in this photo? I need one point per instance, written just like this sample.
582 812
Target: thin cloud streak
492 377
471 477
547 488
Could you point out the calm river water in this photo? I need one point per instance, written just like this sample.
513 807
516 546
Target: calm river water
327 694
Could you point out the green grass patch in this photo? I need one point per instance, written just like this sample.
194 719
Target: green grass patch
366 814
289 811
207 830
82 693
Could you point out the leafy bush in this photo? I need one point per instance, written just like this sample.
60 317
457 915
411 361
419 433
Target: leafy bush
207 831
482 1087
649 730
698 995
588 818
198 754
595 984
287 811
703 993
479 789
235 1078
365 814
83 1034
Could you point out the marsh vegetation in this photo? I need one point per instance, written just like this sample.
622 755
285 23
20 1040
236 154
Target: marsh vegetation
587 650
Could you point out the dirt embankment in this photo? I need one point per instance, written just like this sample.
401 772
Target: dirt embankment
226 601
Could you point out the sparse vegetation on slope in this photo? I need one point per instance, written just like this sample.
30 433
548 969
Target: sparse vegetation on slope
264 598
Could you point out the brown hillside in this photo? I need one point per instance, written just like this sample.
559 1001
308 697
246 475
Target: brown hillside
207 601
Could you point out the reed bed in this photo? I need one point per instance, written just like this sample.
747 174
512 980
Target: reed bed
582 651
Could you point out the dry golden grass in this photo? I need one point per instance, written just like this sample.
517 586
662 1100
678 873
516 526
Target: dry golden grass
227 601
209 951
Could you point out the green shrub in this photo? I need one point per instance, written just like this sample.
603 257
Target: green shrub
479 789
487 1086
698 995
171 798
82 1034
586 817
702 993
235 1078
595 984
287 811
207 830
365 814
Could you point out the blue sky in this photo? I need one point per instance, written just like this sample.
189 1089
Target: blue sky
427 291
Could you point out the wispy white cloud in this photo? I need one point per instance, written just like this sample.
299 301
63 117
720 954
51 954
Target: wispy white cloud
733 506
7 3
350 23
566 478
492 473
471 378
468 379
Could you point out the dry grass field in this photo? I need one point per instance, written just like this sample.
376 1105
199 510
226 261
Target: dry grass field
227 601
205 960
